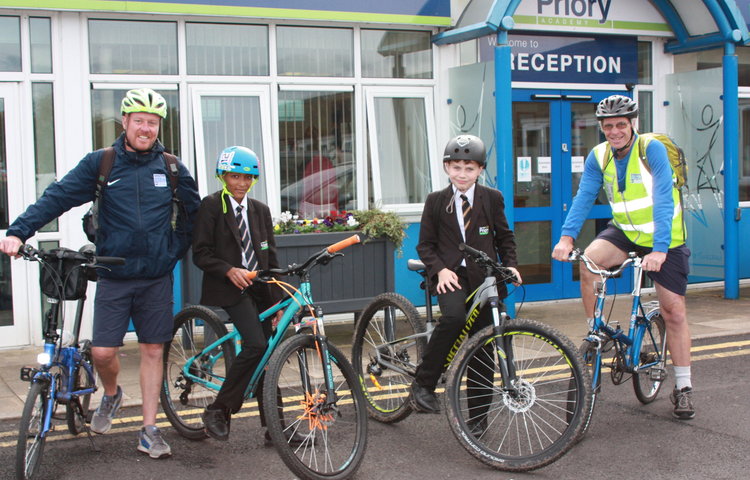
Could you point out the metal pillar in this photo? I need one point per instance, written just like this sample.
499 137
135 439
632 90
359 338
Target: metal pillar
731 174
504 133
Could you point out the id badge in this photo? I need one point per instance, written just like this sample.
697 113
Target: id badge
160 180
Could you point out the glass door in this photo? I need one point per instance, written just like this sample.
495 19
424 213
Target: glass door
553 133
224 116
14 284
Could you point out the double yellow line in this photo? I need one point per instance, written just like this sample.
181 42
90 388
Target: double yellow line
133 423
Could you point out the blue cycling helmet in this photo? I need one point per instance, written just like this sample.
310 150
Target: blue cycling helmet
237 160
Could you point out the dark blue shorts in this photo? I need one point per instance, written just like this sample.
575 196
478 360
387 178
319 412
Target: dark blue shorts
673 274
148 302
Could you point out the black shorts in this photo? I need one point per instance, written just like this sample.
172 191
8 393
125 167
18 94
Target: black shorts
673 274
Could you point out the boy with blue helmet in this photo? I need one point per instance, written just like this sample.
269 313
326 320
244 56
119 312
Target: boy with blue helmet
234 235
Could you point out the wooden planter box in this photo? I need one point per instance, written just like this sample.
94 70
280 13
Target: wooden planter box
346 284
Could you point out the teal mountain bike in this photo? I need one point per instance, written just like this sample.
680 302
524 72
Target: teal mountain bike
310 389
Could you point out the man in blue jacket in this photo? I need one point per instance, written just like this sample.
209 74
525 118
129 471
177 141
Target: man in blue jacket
646 218
135 222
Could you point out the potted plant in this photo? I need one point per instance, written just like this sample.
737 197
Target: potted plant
348 283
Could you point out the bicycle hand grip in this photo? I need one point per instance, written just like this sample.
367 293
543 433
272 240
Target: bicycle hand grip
111 260
343 244
252 275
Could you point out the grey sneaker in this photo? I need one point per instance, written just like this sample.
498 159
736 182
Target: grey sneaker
151 442
683 403
101 421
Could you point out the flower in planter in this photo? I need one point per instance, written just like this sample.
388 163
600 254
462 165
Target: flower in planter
374 223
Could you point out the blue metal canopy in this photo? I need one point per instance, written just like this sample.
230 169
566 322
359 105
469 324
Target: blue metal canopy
719 23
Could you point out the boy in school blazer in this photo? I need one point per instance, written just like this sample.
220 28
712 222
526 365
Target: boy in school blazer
464 212
234 234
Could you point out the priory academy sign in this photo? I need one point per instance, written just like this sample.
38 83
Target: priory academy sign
556 59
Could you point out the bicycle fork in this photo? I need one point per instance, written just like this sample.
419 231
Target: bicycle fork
505 351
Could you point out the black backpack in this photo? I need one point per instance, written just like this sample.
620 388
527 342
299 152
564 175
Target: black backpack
90 219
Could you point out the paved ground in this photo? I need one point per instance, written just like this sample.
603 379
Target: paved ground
709 314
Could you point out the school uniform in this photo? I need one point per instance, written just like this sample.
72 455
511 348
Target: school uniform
439 237
217 248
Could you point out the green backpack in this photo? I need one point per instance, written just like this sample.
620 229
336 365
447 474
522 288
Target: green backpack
675 154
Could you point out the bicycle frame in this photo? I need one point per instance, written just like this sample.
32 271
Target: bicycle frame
291 307
639 319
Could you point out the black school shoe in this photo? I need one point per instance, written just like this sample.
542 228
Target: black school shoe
216 423
424 400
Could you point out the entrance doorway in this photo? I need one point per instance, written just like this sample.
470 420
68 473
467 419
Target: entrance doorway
553 132
14 291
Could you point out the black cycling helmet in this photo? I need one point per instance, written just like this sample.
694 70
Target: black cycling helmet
617 106
465 147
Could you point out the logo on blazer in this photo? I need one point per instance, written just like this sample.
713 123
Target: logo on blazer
264 245
484 230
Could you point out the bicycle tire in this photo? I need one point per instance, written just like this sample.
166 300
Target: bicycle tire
386 391
646 389
77 410
331 439
529 431
31 441
588 355
182 399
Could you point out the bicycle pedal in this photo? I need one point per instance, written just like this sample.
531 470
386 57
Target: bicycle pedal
28 373
657 374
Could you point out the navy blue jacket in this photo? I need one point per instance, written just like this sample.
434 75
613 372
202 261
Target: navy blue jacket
135 213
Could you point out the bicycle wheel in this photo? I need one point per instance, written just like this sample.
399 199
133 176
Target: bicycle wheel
589 354
30 435
385 354
647 383
330 432
183 396
540 419
76 411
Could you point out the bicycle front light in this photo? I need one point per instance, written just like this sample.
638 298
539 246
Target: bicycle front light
45 358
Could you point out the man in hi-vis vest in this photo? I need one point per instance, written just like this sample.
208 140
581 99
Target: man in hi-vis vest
646 218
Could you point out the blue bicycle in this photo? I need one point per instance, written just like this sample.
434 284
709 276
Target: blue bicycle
65 374
640 352
310 390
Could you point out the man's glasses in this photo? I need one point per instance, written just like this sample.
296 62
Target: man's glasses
607 127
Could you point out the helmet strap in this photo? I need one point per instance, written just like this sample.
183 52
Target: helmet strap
225 191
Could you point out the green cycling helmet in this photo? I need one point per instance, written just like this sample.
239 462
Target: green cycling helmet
144 100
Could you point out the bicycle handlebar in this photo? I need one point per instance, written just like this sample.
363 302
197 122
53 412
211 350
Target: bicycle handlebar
484 261
577 254
87 255
322 257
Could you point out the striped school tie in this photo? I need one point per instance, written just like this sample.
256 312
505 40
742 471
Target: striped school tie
466 209
248 254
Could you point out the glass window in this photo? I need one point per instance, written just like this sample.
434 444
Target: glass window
44 141
107 120
531 143
41 45
128 47
214 49
232 120
3 173
396 54
645 66
533 258
10 44
317 169
745 150
645 111
399 126
315 51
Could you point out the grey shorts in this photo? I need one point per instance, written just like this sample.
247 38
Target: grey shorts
673 274
148 302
